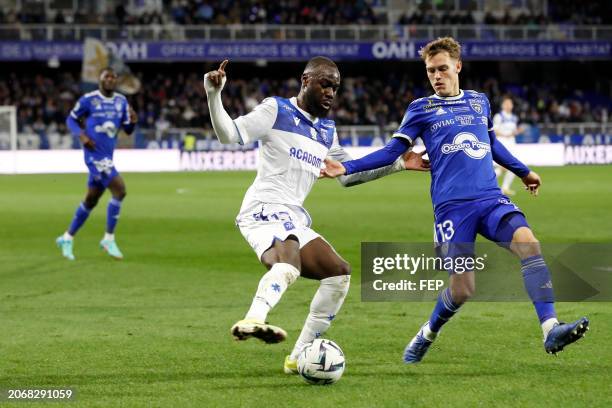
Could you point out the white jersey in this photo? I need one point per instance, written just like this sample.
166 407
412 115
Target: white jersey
293 145
505 125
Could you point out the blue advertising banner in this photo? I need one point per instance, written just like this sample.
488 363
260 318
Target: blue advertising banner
301 50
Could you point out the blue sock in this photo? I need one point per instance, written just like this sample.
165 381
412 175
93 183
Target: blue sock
80 216
444 310
539 286
112 214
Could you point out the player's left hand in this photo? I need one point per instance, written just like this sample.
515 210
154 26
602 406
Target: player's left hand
132 114
415 161
332 169
532 182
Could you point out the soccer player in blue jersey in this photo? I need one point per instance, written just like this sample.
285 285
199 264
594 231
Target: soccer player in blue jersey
457 131
96 119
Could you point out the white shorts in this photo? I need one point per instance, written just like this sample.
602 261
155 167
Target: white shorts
262 223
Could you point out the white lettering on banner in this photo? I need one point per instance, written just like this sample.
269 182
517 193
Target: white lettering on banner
162 159
129 51
219 160
400 50
601 154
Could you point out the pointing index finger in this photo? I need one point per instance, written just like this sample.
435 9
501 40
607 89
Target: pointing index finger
222 66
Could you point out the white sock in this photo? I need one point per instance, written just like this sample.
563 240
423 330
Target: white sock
271 287
548 325
323 309
67 236
508 178
109 237
428 333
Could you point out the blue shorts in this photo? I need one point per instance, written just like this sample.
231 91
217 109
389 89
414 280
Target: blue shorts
101 174
457 223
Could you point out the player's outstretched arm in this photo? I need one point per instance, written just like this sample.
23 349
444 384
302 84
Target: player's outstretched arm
380 158
222 123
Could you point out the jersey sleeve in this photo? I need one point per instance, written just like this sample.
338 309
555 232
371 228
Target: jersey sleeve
81 108
125 116
336 152
490 123
257 124
410 128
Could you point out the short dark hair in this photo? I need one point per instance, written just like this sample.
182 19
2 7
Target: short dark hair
319 61
109 69
448 44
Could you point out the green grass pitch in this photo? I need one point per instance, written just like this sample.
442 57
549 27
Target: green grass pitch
153 330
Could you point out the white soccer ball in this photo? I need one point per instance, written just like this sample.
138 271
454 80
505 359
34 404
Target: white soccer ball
321 362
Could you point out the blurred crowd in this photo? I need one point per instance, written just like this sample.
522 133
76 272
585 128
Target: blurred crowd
324 12
178 100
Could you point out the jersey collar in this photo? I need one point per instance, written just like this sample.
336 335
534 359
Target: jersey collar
110 98
307 115
449 98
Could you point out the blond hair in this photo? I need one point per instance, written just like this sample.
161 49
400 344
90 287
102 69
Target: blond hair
448 44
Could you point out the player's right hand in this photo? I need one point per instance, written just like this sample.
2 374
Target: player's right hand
87 142
532 182
332 169
215 80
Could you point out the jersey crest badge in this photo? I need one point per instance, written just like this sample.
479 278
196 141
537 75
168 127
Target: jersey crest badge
476 105
313 133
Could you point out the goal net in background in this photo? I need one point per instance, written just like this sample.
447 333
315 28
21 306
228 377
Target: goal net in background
8 128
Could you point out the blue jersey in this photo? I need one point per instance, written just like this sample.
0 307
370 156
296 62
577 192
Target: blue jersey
103 119
457 132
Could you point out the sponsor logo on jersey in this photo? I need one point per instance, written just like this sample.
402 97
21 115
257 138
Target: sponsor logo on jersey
440 111
477 104
296 121
108 128
435 106
289 108
483 120
118 105
306 157
459 109
465 120
443 123
469 144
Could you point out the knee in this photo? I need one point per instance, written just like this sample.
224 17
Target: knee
120 195
343 269
90 202
462 293
525 244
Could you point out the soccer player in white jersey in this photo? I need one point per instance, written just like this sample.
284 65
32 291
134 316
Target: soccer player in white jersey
294 138
505 124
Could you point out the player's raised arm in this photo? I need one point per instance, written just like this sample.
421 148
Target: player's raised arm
222 123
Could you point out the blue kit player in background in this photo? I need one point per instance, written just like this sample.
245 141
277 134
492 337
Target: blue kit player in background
103 113
457 131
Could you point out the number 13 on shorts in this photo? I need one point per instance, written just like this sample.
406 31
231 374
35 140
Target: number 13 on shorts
445 231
